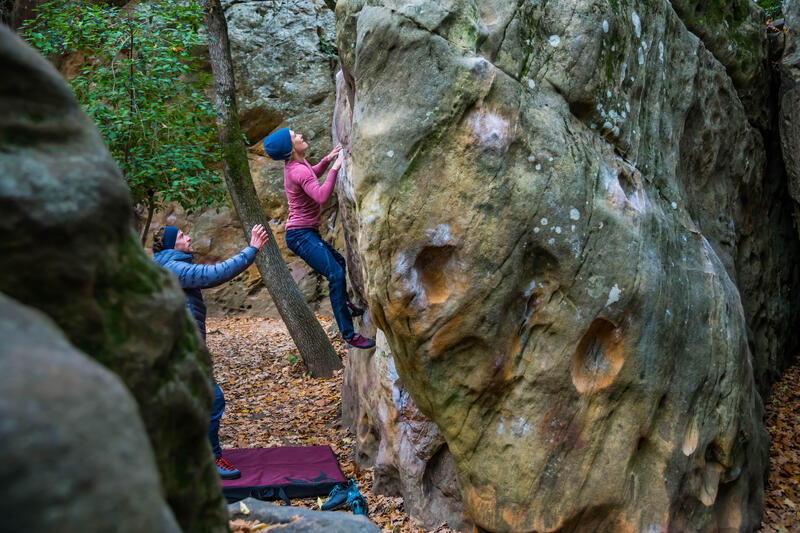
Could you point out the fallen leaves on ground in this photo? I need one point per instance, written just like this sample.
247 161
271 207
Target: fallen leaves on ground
782 494
271 401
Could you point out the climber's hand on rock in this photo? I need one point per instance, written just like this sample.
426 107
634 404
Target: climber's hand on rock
334 152
338 164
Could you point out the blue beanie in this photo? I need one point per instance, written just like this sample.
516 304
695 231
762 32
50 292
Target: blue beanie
278 145
170 234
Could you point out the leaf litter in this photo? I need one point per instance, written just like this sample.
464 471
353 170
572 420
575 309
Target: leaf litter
782 494
272 401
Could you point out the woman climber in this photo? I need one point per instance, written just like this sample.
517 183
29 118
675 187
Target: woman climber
306 196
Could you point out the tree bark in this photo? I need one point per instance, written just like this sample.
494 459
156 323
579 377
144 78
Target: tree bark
314 346
151 207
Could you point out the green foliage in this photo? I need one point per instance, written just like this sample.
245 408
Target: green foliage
773 8
141 81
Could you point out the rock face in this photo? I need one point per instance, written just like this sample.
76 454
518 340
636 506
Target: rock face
790 97
284 70
76 455
69 250
566 226
408 451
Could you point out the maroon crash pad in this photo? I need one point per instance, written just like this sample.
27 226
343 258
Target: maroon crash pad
282 473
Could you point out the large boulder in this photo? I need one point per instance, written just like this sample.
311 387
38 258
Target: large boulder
790 96
567 229
284 66
70 251
76 455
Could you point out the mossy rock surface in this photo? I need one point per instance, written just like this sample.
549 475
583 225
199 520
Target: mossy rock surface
71 252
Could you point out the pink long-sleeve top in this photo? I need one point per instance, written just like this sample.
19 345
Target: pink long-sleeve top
305 194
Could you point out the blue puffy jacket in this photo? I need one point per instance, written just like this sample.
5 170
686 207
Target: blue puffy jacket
195 277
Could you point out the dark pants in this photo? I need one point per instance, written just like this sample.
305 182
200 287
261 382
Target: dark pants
216 414
324 258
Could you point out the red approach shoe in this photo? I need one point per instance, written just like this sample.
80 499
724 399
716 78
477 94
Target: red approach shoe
226 470
357 341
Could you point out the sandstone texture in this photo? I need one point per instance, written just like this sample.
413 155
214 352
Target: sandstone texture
790 97
284 66
69 250
76 455
408 452
568 226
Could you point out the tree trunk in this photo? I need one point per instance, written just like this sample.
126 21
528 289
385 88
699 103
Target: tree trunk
311 341
150 209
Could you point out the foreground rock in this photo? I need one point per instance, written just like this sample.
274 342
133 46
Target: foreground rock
300 520
566 226
76 454
69 251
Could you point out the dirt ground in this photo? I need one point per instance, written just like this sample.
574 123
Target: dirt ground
272 402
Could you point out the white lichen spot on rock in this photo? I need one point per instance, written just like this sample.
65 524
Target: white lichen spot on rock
538 166
641 57
674 205
440 236
660 50
490 129
644 45
554 40
637 24
605 26
543 222
551 241
608 94
613 295
390 153
536 229
558 230
531 83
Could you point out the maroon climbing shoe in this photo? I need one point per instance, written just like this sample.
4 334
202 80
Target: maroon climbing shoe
226 470
357 341
354 311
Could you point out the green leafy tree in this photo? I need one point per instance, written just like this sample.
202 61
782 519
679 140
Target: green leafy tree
773 8
141 80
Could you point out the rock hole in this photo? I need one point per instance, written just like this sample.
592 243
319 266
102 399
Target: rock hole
439 475
431 264
662 402
582 110
598 357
